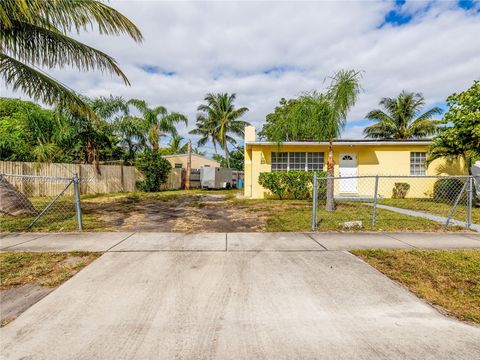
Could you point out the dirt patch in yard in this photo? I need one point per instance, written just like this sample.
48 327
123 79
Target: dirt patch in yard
191 213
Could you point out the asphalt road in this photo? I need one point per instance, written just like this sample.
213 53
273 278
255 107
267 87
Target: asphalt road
234 305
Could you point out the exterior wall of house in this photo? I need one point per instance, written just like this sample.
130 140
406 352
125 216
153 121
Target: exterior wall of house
372 159
197 161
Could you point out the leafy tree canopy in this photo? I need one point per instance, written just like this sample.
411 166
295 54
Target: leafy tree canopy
277 124
28 132
315 115
460 136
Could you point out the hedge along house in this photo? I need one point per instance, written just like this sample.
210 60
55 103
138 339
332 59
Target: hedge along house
352 158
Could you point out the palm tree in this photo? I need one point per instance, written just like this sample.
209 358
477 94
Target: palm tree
401 119
325 116
175 145
85 135
132 135
206 128
157 121
220 114
34 34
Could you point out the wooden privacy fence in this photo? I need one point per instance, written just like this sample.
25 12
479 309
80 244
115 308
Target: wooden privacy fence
110 178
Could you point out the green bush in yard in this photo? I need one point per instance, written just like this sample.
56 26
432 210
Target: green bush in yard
273 181
155 170
400 190
296 184
447 190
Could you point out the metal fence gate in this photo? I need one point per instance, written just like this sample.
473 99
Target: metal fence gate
374 202
45 202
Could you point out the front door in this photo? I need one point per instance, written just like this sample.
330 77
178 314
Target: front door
348 168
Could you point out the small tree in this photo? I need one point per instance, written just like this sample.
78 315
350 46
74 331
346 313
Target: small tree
278 126
324 116
154 168
460 137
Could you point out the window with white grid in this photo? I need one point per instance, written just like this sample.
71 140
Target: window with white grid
279 161
315 161
417 163
297 161
310 161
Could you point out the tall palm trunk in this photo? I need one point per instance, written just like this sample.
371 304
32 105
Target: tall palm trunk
227 156
330 204
215 146
155 138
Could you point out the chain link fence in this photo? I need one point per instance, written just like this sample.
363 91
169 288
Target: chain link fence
383 202
39 202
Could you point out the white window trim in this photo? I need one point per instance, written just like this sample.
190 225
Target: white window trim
414 164
306 159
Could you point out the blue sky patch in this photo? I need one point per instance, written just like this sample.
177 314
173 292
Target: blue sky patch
153 69
396 18
280 69
466 4
275 70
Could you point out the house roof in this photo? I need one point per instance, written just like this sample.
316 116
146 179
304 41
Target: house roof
184 155
358 142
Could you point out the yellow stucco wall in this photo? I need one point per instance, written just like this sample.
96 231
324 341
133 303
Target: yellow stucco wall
372 159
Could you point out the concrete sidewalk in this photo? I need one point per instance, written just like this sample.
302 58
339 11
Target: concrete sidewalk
234 305
233 242
234 296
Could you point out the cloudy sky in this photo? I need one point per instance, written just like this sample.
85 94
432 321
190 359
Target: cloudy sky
263 51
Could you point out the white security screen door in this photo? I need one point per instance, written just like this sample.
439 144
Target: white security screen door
348 167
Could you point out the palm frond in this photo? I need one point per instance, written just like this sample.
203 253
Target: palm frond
343 92
40 86
398 122
140 105
68 15
45 47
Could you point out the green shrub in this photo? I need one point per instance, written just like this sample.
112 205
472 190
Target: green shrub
400 190
447 190
155 170
296 184
274 182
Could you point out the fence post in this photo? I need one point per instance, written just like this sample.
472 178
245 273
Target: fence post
78 208
470 201
314 202
375 196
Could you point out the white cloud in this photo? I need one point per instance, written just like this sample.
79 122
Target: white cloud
227 46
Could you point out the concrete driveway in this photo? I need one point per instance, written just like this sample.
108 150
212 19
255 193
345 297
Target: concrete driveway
243 304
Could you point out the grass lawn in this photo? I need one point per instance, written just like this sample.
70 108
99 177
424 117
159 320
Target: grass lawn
446 278
109 212
44 269
296 216
434 207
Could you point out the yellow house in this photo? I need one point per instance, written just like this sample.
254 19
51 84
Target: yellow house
352 158
179 161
